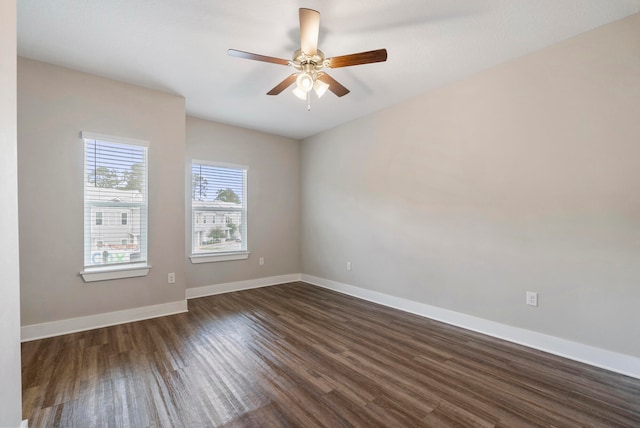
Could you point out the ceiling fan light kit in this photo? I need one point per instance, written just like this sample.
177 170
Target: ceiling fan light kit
309 62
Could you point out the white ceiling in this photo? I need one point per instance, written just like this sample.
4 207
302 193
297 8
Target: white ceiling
180 46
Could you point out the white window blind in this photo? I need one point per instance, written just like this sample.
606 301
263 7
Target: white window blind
115 201
219 208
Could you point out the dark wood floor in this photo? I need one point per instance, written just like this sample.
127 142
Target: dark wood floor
297 355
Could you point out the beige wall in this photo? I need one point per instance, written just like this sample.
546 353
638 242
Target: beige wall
524 177
10 392
273 186
54 105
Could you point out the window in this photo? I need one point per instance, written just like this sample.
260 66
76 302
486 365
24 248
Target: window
115 197
218 190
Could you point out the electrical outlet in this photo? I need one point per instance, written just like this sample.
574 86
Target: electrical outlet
171 278
348 265
261 261
532 298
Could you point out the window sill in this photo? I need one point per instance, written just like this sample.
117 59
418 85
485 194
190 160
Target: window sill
222 257
109 273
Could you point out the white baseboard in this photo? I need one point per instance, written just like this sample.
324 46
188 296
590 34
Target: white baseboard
211 290
609 360
73 325
24 424
598 357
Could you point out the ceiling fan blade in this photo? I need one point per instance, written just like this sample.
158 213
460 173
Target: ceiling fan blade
334 85
309 30
256 57
379 55
283 85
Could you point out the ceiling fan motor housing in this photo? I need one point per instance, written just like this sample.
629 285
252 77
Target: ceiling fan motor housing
304 62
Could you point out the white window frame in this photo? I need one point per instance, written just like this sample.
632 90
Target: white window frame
115 271
219 256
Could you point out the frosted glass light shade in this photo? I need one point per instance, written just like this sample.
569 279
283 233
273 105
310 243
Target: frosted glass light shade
304 82
320 88
300 93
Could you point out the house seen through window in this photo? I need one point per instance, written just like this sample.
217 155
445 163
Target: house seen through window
219 198
115 201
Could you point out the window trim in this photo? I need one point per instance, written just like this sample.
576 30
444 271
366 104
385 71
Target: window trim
106 273
218 257
84 135
212 257
117 271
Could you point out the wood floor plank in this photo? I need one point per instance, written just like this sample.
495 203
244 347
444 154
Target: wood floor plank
295 355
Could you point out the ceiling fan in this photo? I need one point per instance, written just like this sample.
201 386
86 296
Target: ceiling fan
309 62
